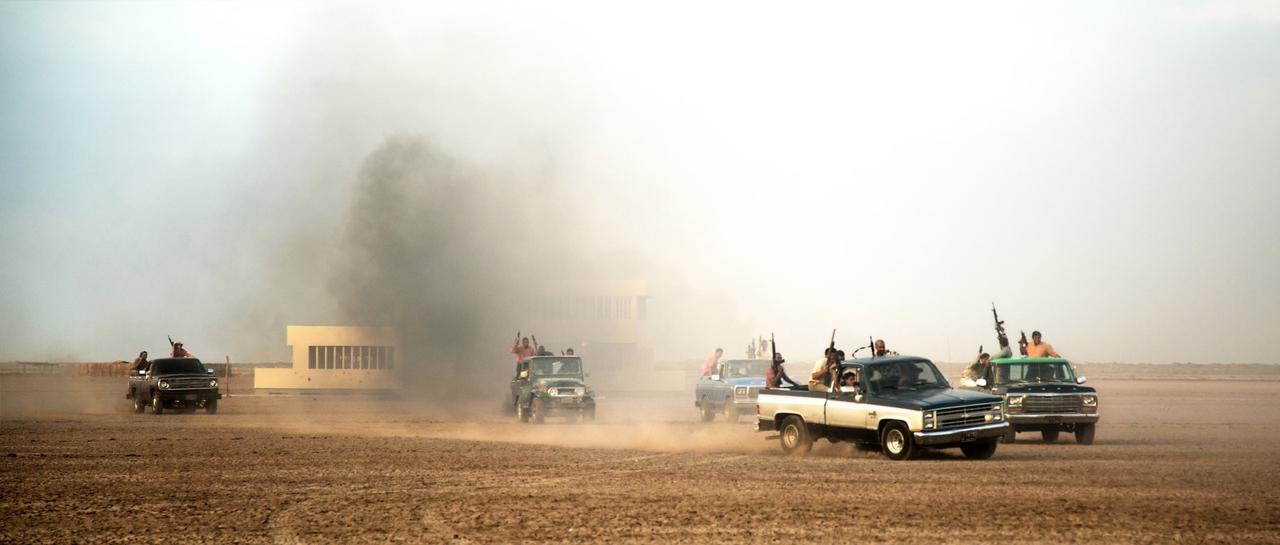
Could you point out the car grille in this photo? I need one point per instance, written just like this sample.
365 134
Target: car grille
753 392
968 415
1057 403
189 384
563 391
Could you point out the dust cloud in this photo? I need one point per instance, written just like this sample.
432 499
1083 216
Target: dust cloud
444 251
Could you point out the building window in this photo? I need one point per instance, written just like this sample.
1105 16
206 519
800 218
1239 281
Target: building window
350 357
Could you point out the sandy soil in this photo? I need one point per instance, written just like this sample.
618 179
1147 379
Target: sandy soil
1174 461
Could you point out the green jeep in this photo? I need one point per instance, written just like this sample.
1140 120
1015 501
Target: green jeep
550 387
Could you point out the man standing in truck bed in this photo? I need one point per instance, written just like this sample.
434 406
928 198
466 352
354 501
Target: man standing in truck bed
522 350
1037 349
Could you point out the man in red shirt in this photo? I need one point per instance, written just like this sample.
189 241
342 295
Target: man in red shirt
711 362
180 352
522 350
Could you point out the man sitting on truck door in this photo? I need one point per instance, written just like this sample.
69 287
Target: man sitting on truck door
978 368
823 371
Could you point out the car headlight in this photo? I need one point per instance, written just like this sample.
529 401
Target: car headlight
740 391
579 391
1014 401
213 383
1090 400
164 385
928 420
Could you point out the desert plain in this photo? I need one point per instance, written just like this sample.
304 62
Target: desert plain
1191 459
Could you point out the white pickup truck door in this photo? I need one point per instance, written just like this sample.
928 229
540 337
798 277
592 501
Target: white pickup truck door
844 412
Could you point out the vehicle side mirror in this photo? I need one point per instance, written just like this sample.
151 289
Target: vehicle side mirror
524 374
715 377
208 371
857 398
982 382
1080 380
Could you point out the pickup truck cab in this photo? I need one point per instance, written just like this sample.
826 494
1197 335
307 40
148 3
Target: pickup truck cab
731 391
174 383
1044 395
900 404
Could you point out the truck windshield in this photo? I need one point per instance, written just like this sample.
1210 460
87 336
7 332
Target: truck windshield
907 375
557 366
172 367
745 368
1018 372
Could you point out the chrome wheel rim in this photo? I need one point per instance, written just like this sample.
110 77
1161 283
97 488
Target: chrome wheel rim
894 441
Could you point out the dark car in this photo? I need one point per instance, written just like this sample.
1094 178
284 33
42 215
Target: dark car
551 387
174 383
1044 395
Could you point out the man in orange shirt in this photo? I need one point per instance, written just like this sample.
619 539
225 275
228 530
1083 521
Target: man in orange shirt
1037 349
522 350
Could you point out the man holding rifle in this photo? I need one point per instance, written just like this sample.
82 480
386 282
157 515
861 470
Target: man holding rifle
520 347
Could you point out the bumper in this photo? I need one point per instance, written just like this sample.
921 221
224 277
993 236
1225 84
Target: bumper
1065 418
964 435
179 395
567 404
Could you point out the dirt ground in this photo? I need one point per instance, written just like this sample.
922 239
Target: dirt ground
1175 461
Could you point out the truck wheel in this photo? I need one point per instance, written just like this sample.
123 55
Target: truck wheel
730 411
896 441
211 406
979 451
794 436
138 404
1010 436
1084 434
589 415
537 411
1049 436
522 413
705 406
157 406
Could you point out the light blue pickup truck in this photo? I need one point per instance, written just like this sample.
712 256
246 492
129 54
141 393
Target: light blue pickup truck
731 390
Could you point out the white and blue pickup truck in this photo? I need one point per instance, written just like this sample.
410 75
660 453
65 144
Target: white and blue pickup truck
900 404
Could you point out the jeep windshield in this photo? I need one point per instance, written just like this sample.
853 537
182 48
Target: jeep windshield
745 368
556 366
176 367
904 375
1019 373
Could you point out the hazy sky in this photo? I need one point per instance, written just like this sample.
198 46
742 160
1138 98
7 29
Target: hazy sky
1106 172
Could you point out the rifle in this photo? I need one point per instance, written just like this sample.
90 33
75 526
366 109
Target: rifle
832 364
170 341
1022 344
773 348
999 326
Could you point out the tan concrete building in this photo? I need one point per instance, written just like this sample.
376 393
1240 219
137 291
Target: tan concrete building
337 358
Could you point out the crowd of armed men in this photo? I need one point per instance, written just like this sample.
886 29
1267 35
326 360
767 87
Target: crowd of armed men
832 359
522 349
